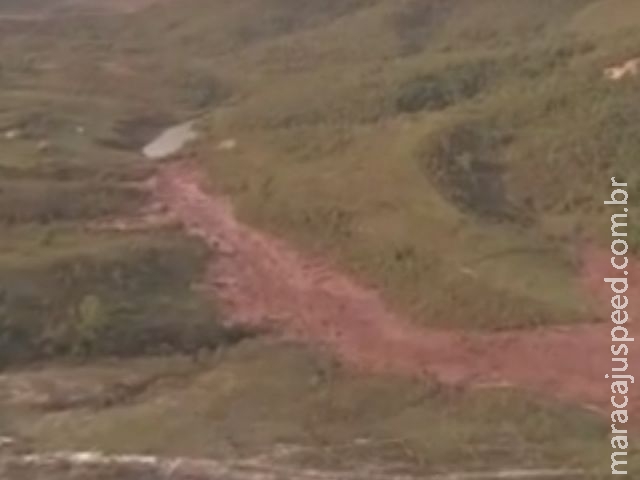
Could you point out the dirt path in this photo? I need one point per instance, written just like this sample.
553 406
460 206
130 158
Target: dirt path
265 283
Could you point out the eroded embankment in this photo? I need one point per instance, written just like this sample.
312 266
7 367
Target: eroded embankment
265 283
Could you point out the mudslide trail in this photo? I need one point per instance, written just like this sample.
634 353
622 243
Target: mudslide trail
263 282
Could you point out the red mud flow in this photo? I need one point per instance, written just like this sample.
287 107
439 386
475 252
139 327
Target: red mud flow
264 282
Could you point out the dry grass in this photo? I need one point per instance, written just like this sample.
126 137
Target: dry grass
257 396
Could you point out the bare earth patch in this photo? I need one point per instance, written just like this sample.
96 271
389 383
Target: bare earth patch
630 68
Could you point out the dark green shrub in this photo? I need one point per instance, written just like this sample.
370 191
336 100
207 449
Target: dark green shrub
128 299
200 91
439 90
465 169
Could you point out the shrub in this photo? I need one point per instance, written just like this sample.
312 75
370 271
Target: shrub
464 168
200 91
130 298
439 90
48 201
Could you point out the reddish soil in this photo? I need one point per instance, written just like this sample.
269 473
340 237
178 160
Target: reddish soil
265 283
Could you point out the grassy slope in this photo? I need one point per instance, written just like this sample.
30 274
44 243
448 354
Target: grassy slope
64 289
231 406
456 164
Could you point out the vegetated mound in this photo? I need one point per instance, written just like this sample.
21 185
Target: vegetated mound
70 291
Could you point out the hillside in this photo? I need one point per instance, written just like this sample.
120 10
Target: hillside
450 158
456 149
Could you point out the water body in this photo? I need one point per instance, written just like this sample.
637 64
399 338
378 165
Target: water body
170 141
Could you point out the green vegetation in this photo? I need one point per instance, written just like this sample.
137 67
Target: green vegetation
452 153
67 290
45 201
70 138
258 396
457 162
88 295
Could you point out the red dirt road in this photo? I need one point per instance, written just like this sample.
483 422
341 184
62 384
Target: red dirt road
264 282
